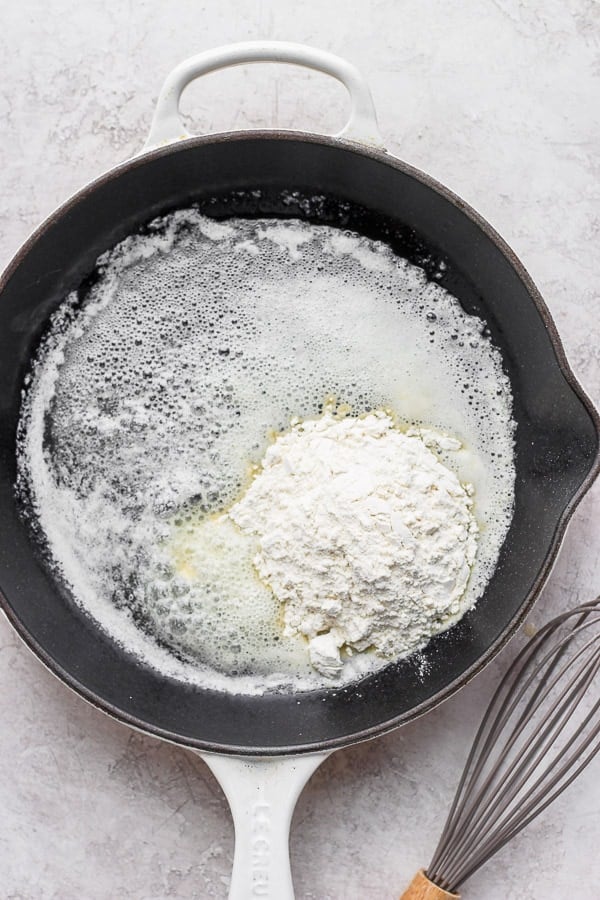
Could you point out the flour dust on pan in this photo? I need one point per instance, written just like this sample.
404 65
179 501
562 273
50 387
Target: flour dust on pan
156 393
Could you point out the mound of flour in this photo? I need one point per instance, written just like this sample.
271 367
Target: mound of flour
363 534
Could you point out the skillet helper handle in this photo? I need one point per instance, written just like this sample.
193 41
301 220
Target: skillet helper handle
421 888
262 794
168 127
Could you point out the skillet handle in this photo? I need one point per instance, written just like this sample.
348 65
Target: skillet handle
262 794
168 127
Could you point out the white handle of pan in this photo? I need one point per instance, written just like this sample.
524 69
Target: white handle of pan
262 795
168 127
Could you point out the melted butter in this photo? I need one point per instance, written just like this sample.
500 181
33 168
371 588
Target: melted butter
157 395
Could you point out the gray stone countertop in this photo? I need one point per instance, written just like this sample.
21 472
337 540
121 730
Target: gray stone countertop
499 100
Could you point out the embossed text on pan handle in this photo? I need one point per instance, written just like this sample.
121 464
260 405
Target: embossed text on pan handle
262 794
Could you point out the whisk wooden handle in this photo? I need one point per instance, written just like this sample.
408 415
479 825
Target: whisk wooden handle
421 888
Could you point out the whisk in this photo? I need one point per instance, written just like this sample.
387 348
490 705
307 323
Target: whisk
541 729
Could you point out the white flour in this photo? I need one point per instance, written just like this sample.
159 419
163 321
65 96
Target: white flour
363 534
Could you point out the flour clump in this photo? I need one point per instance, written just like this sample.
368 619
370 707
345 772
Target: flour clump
363 534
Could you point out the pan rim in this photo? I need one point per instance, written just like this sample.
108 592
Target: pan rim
560 528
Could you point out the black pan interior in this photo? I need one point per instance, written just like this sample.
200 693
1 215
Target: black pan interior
557 433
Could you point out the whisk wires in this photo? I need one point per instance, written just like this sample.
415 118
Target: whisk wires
542 728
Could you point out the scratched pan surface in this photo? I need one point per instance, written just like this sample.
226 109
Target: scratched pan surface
557 435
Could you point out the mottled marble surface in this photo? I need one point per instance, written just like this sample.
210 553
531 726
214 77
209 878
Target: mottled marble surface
500 100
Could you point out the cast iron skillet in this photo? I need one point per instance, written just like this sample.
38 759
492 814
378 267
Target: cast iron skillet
365 189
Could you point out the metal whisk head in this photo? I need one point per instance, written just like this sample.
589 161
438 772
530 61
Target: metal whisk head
541 729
